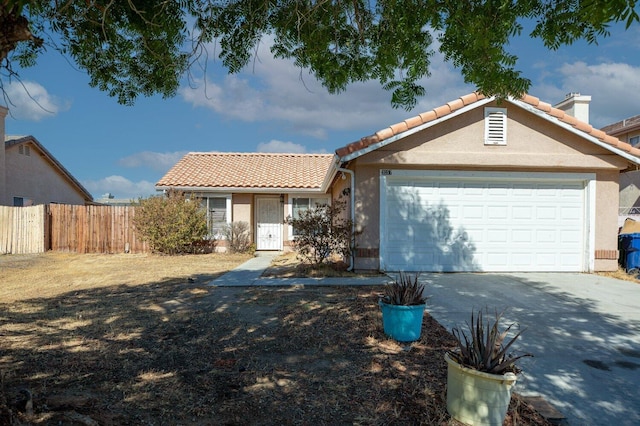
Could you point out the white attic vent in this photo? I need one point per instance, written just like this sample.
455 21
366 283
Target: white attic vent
495 126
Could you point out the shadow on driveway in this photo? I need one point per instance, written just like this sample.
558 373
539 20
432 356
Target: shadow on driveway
583 329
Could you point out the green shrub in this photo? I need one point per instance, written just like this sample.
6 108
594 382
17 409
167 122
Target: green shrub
171 224
238 236
322 232
485 347
406 290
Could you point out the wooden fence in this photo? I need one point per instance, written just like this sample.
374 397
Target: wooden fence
62 227
23 230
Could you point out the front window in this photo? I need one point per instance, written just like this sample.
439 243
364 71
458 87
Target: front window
299 205
217 214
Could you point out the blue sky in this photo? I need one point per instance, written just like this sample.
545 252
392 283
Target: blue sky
275 107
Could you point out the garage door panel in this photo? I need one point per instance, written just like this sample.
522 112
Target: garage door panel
570 237
522 236
521 212
498 212
498 236
472 212
546 213
500 225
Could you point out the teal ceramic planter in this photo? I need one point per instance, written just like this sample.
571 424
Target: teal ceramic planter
402 323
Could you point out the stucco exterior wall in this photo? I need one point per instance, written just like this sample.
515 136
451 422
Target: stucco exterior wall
606 232
33 177
241 210
533 144
3 191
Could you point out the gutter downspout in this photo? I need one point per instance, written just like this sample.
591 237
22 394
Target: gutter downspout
352 209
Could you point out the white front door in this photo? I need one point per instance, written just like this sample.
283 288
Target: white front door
269 224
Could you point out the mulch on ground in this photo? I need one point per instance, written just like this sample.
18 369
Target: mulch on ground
183 353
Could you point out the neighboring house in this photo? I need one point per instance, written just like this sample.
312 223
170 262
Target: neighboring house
30 174
474 185
34 176
628 131
109 200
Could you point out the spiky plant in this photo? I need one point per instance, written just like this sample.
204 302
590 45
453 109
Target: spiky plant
484 349
405 290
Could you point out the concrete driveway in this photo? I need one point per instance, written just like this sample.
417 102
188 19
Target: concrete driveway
583 329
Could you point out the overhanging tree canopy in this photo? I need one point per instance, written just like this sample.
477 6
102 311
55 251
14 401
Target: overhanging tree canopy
144 47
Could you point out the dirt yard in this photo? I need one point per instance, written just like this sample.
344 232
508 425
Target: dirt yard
143 340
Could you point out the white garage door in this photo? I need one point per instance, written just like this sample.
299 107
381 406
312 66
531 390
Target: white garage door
442 221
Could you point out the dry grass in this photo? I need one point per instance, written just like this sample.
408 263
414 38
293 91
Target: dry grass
55 273
621 274
143 340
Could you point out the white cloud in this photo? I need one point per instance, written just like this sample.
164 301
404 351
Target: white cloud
276 90
611 86
120 187
281 146
159 161
284 147
28 100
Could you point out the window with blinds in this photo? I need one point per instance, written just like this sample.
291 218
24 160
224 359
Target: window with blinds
217 215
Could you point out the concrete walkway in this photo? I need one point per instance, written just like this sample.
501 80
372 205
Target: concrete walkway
249 274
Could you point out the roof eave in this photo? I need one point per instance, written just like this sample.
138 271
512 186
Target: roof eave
624 130
629 157
239 190
331 173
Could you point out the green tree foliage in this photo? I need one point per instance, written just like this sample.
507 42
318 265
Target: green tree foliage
144 47
171 224
323 231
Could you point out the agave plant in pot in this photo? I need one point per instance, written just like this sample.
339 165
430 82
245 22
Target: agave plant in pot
403 303
481 372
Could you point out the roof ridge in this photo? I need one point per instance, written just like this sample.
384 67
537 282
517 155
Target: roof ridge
469 99
288 154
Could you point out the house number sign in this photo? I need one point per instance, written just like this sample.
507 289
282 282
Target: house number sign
385 172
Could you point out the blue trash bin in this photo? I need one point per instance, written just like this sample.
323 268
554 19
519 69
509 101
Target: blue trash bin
631 246
623 245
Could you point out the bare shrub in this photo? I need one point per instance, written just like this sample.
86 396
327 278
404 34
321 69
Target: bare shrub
238 236
323 231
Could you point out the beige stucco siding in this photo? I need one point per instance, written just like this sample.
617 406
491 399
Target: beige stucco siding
459 143
33 177
606 232
533 144
3 195
241 208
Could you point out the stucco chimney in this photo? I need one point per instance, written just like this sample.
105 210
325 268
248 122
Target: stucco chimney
576 105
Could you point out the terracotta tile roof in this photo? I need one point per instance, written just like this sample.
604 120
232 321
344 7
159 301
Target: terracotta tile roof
469 99
248 170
